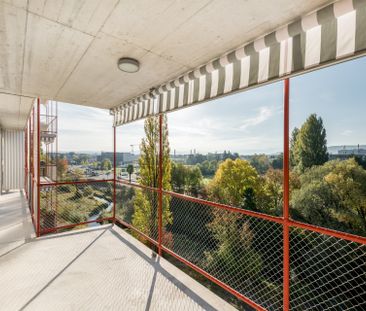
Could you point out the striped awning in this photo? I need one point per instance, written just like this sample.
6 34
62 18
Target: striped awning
333 33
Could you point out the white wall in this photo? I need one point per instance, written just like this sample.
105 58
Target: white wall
12 159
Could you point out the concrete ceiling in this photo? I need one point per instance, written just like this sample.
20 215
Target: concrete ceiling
68 50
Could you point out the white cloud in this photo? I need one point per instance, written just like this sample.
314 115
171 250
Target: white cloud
264 114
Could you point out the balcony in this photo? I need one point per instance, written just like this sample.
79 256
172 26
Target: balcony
181 156
96 268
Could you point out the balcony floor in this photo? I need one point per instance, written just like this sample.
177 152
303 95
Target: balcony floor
16 226
102 268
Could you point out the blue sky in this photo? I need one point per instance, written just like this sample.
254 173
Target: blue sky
247 122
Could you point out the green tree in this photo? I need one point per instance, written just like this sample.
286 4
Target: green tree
332 195
106 165
273 184
293 140
311 143
78 174
231 180
130 171
146 201
277 162
208 168
62 165
260 162
178 177
193 180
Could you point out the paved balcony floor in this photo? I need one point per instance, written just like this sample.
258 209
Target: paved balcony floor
16 226
102 268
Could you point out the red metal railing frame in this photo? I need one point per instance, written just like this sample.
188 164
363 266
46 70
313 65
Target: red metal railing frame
286 195
69 226
285 220
38 168
160 190
26 161
114 173
84 181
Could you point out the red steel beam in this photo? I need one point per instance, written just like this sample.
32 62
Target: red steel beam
26 161
86 181
49 230
160 193
286 194
330 232
31 162
280 220
226 207
114 173
132 184
38 167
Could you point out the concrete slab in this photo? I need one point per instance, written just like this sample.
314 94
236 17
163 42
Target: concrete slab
97 269
16 226
59 50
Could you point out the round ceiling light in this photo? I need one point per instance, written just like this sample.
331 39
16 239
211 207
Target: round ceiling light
127 64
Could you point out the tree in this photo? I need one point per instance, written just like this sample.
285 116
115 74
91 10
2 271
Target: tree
106 165
231 180
208 168
273 183
78 174
311 144
193 180
332 195
229 155
235 183
62 165
293 140
277 162
146 201
260 162
186 179
130 171
178 177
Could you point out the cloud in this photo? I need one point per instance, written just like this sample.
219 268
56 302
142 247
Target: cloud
346 132
264 114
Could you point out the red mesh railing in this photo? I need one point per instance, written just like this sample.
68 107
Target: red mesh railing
138 207
68 205
242 251
327 273
249 254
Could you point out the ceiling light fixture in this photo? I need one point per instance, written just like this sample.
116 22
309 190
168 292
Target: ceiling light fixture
129 65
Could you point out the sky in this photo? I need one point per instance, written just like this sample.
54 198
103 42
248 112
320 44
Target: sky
247 122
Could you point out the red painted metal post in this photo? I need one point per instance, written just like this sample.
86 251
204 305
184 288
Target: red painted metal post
286 193
160 207
38 167
31 145
114 174
26 161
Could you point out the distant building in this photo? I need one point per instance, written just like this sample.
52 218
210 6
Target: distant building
352 151
346 152
121 157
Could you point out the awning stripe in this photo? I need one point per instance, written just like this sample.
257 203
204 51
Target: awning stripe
337 31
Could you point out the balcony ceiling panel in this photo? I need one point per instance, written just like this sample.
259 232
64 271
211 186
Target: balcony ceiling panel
68 50
14 110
